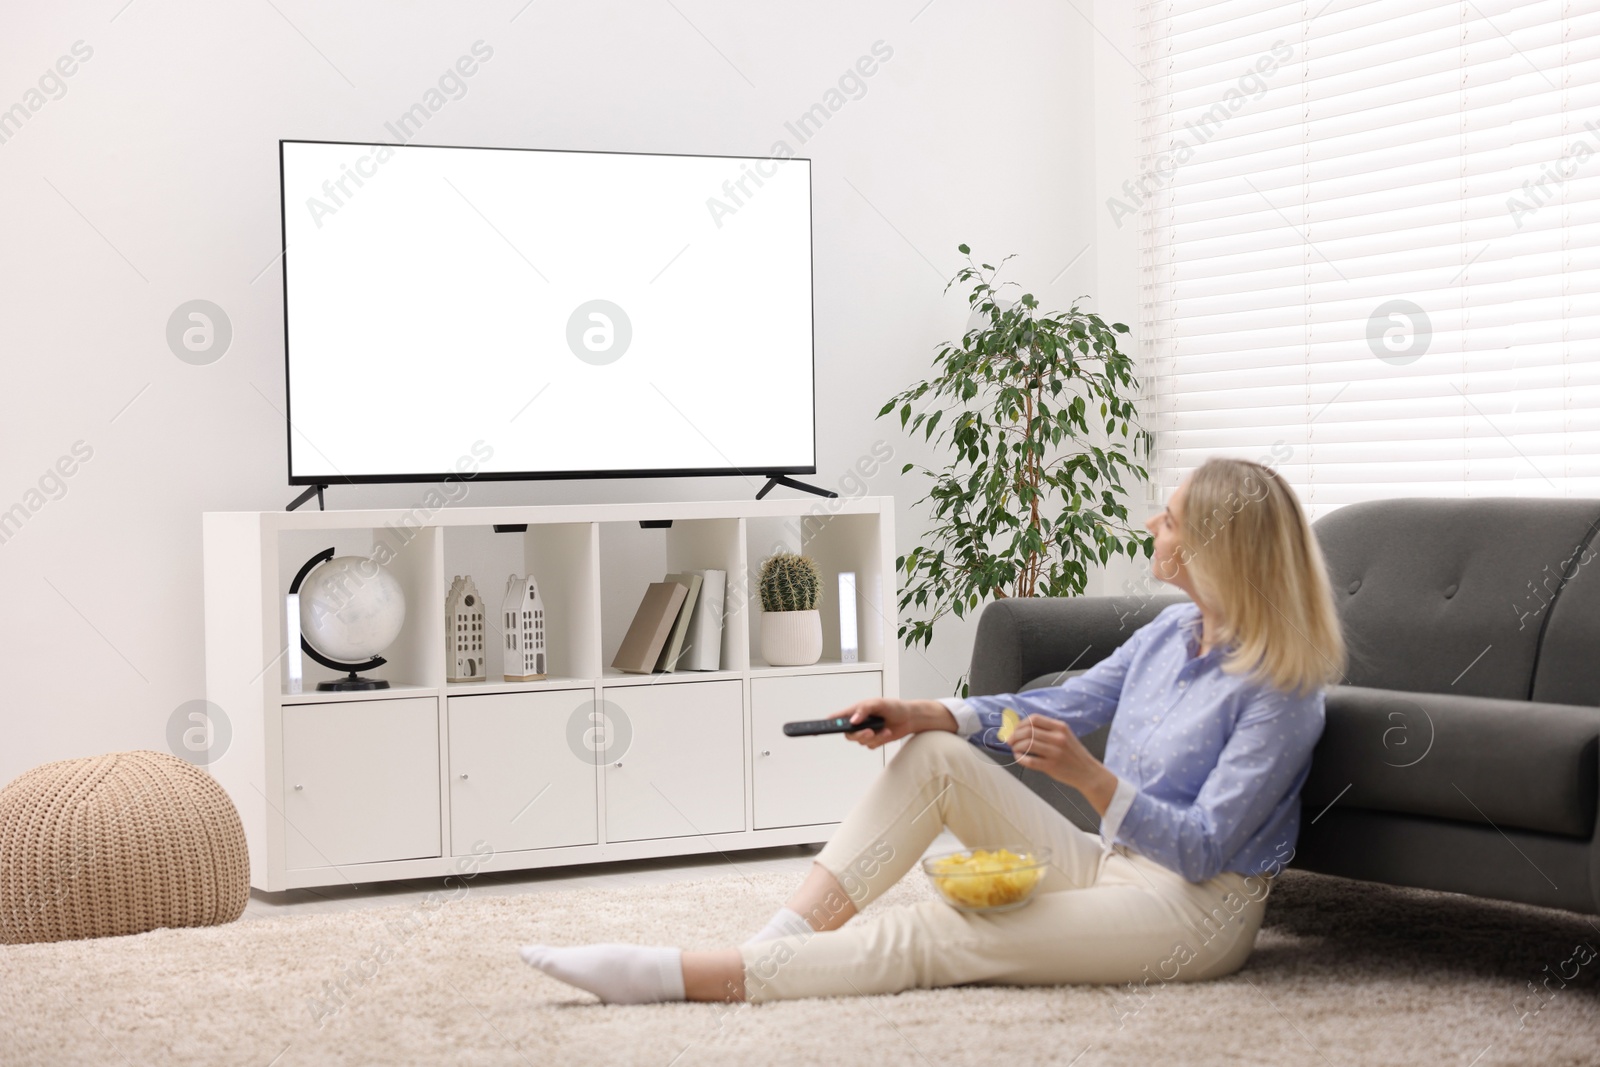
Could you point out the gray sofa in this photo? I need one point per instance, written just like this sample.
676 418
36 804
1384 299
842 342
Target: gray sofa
1463 753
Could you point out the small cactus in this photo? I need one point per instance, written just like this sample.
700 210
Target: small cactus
789 583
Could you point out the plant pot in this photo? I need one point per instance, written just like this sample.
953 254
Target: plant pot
791 638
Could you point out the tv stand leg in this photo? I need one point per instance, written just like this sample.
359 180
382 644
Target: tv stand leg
784 479
311 491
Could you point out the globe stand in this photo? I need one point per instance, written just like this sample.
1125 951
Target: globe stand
354 682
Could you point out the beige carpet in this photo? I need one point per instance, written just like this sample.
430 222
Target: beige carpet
1343 973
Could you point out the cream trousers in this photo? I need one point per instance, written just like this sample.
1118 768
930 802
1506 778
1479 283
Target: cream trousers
1099 915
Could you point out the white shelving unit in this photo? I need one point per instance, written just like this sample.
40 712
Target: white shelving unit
590 764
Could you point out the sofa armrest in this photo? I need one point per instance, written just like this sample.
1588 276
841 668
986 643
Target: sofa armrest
1021 638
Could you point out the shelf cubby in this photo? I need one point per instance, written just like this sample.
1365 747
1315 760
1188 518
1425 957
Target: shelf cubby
632 557
563 561
411 555
836 542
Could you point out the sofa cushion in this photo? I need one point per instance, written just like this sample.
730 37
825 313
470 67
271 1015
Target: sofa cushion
1429 589
1044 681
1021 637
1509 763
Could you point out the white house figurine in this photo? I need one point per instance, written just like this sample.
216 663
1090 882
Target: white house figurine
464 635
524 625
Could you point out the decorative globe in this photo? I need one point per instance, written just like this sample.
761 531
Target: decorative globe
351 609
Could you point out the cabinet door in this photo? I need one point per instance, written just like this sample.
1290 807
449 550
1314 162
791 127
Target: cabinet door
679 771
518 779
361 781
799 781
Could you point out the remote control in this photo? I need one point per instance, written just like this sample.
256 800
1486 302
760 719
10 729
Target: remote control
839 725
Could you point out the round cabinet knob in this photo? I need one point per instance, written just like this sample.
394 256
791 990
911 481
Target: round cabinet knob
463 777
766 752
618 763
298 788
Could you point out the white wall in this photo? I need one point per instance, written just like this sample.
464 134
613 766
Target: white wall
151 180
1117 90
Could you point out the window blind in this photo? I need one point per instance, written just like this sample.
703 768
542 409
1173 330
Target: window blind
1370 243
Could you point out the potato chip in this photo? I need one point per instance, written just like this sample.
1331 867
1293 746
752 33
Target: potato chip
1008 724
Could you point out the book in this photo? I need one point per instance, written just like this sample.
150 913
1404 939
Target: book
703 643
652 623
674 646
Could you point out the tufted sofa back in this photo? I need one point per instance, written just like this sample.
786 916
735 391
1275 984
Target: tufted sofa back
1492 597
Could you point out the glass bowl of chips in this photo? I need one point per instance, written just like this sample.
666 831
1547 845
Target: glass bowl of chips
986 880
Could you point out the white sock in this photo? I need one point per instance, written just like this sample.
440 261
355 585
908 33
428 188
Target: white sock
786 923
617 974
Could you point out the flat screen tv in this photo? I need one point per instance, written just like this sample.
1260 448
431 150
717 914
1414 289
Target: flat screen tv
544 314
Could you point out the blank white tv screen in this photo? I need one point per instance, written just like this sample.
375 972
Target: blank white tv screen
529 313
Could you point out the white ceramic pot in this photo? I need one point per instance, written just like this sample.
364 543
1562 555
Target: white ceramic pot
791 638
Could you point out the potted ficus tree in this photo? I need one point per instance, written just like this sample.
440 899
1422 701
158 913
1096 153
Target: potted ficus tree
1037 408
791 625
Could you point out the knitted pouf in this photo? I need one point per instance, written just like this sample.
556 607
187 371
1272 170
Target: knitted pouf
118 844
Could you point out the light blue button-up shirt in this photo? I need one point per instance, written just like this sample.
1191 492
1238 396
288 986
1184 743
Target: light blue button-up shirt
1209 765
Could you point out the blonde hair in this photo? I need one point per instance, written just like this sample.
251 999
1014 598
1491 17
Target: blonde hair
1253 559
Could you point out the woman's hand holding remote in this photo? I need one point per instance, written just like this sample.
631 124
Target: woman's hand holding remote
901 718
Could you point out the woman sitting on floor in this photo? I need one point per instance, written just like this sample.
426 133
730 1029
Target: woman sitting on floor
1215 706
